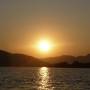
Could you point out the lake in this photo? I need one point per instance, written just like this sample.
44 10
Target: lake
43 78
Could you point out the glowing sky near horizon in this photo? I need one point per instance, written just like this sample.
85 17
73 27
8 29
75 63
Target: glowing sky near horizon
65 22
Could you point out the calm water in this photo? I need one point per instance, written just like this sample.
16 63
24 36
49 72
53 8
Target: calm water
44 79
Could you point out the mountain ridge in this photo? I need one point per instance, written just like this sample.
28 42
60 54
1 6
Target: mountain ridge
17 59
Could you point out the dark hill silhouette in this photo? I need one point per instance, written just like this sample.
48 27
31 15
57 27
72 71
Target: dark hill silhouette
66 61
84 59
9 59
58 59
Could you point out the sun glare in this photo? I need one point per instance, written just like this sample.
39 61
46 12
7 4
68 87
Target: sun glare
44 46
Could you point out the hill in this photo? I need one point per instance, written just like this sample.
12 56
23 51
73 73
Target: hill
10 59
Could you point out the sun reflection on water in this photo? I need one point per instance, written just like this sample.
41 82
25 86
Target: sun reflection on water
44 72
44 78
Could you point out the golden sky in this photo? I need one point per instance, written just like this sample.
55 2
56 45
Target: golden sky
63 23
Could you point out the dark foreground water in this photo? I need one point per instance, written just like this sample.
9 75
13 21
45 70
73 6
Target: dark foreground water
44 78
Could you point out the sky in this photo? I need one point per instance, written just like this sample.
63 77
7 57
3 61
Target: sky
65 23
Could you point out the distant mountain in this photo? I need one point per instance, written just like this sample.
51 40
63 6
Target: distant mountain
65 61
68 59
59 59
9 59
84 59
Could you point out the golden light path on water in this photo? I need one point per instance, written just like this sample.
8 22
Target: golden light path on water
44 78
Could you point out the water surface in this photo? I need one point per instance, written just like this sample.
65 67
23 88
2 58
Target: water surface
43 78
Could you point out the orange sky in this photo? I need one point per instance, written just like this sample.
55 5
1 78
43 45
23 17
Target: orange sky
64 23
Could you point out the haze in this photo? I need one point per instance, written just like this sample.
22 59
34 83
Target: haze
65 23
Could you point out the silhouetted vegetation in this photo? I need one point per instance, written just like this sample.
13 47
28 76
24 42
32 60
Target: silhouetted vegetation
65 61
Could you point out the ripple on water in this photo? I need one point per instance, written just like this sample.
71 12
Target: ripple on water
44 79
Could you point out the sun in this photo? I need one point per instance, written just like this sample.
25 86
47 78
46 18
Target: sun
44 46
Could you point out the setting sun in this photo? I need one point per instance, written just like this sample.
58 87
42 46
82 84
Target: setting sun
44 46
